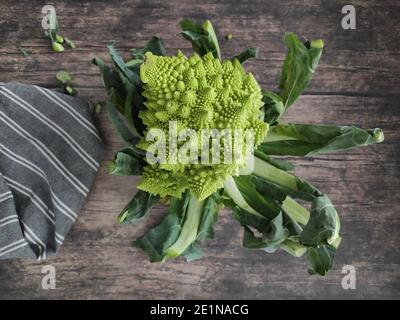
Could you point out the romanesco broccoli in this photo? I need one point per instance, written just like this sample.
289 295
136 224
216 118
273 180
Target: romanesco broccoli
198 93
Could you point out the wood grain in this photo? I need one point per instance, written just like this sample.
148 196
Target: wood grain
357 83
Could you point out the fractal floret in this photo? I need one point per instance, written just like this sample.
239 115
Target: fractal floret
202 94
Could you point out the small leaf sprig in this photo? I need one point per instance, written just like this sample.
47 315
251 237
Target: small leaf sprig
53 33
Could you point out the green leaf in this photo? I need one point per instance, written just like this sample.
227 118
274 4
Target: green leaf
306 140
247 188
187 223
193 252
128 162
126 134
155 46
246 54
321 259
138 207
279 163
273 107
112 81
133 101
273 235
63 76
202 37
161 237
132 77
209 218
70 43
298 67
287 182
198 225
323 226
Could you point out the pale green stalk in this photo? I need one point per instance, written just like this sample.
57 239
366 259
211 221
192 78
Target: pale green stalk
189 230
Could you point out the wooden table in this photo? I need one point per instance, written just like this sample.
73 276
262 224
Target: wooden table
357 82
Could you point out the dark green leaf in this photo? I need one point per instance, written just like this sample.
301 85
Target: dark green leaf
111 80
273 107
306 140
298 67
138 207
128 162
119 63
321 259
126 134
155 46
323 226
193 252
209 218
249 192
246 54
279 163
202 37
159 238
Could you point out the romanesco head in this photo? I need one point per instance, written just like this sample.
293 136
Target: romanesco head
198 93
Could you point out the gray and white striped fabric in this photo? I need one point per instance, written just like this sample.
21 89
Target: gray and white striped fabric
49 155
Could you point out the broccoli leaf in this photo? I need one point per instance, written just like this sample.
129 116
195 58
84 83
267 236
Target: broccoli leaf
187 222
202 37
274 106
119 63
279 163
129 136
271 238
323 226
159 238
112 81
246 54
193 252
128 162
247 188
298 67
305 140
155 46
206 228
276 187
138 207
321 259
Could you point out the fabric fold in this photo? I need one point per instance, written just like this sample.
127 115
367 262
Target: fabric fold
50 151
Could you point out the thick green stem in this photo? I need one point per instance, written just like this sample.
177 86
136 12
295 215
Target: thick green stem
293 248
296 211
269 172
189 230
274 136
232 190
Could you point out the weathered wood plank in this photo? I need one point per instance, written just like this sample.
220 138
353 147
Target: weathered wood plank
357 83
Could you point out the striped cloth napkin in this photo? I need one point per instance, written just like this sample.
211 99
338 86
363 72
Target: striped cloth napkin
49 155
